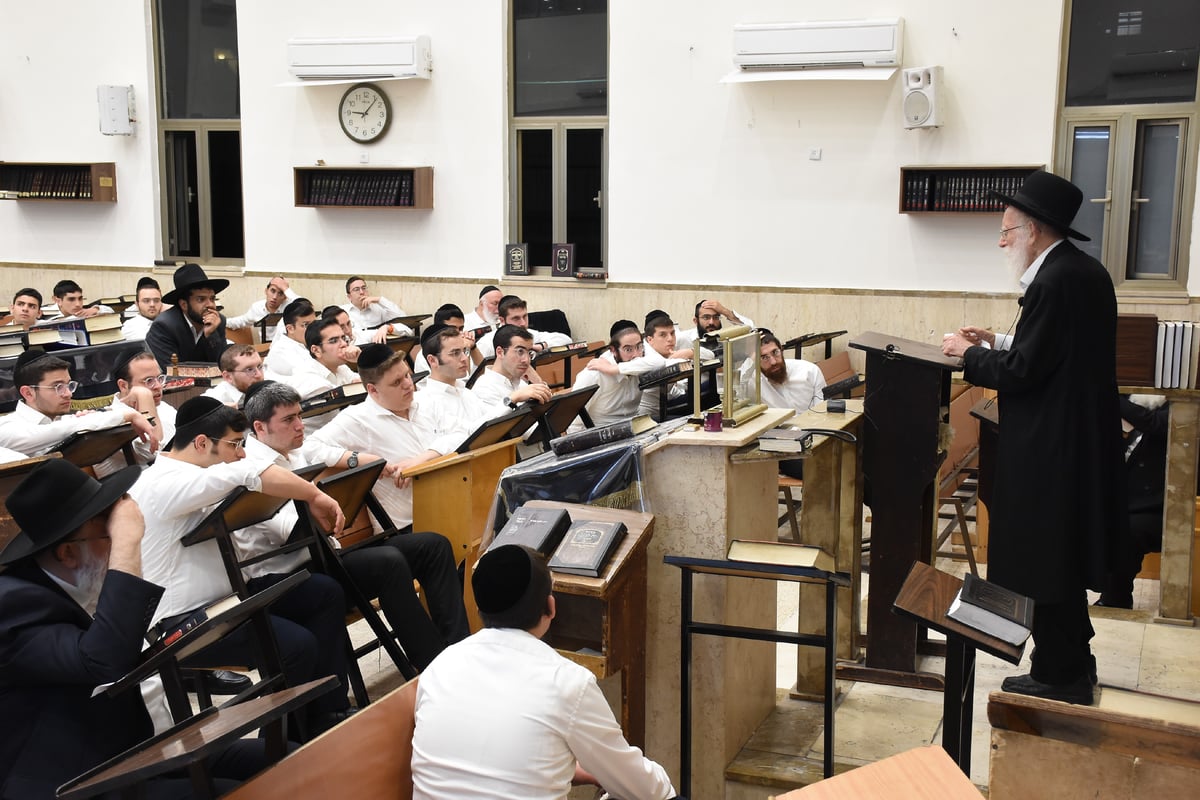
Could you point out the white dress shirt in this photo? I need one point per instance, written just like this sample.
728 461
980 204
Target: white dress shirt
370 427
500 714
224 391
164 415
311 379
274 533
494 388
31 432
617 398
174 497
800 389
134 329
258 310
284 358
652 360
455 409
686 337
375 315
473 321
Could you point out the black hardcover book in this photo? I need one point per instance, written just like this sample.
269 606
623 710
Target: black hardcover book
602 434
647 379
992 609
539 529
586 547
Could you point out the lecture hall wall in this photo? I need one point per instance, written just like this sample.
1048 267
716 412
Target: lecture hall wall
709 184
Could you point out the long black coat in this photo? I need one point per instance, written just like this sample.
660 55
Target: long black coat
171 333
52 655
1058 506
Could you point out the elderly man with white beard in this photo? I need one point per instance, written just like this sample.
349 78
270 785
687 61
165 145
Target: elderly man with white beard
1059 427
73 611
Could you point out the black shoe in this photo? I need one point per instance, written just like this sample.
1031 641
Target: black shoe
216 681
1092 670
1078 691
1115 602
324 720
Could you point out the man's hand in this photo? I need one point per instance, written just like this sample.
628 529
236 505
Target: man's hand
603 365
583 777
398 477
125 529
328 512
210 320
90 311
717 307
350 353
380 335
684 353
534 391
146 432
978 335
955 344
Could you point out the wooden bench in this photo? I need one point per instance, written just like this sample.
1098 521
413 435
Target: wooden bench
367 756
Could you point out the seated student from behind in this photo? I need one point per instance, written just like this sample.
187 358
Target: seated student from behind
501 714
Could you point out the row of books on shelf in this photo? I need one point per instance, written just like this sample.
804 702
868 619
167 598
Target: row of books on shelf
59 333
964 190
359 189
49 183
1177 355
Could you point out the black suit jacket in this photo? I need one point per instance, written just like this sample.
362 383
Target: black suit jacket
171 334
1058 505
52 655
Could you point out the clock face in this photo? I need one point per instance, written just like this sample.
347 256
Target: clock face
364 112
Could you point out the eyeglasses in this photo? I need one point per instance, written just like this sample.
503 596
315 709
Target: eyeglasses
458 353
249 372
62 389
154 380
358 289
238 444
88 538
1004 231
709 317
336 340
633 348
772 355
520 352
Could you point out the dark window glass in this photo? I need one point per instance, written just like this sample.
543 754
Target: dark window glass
1122 53
585 171
198 58
535 203
225 193
560 57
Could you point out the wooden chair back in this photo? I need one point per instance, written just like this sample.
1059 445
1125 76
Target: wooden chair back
12 474
351 488
367 756
241 335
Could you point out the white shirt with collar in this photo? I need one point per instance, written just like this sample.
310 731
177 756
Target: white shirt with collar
455 409
801 388
652 360
617 398
1004 340
164 416
371 428
258 310
493 388
474 321
274 533
545 338
135 328
226 392
174 497
284 358
31 432
375 315
313 378
550 710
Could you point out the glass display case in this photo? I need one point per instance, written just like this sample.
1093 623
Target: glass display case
737 379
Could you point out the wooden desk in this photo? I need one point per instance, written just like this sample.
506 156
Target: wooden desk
925 596
188 746
608 614
919 774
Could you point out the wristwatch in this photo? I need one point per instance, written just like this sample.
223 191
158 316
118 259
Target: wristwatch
352 462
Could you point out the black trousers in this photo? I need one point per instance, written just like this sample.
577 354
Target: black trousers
1061 636
1145 536
386 570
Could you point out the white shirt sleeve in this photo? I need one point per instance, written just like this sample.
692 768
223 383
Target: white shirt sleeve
18 431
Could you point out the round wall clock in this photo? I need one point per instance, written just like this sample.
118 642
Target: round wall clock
364 112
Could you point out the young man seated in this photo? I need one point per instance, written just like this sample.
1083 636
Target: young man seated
277 294
288 353
133 370
371 314
43 418
451 406
241 368
514 311
501 714
384 570
325 370
616 372
146 310
511 379
26 307
69 297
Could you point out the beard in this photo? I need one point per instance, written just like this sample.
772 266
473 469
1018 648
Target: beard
1018 255
89 579
489 317
775 373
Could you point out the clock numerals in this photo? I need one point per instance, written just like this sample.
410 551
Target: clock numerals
364 113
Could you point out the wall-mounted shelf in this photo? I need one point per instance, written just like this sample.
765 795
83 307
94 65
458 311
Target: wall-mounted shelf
364 187
958 190
87 183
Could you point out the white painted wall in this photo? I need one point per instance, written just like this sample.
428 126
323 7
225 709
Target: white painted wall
708 183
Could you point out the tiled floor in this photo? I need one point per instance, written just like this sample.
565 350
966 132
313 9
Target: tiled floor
875 721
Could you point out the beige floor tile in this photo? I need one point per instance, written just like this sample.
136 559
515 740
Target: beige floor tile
1170 662
871 725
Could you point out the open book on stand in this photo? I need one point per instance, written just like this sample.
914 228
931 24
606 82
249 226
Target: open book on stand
992 609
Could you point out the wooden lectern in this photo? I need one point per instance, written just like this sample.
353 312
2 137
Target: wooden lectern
907 404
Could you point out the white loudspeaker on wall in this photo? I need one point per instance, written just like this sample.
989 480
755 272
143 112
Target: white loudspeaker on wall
922 106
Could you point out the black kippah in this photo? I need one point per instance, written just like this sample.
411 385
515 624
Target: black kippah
126 357
655 314
431 333
488 288
372 355
254 389
621 325
501 578
29 356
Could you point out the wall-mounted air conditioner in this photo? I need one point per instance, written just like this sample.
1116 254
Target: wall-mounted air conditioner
846 44
375 58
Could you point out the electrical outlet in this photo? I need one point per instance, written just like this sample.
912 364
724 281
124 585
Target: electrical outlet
364 157
814 154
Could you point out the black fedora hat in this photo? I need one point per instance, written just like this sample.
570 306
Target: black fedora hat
54 500
191 276
1049 198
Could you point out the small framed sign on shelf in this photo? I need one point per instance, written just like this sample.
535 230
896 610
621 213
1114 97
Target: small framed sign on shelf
562 260
516 259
